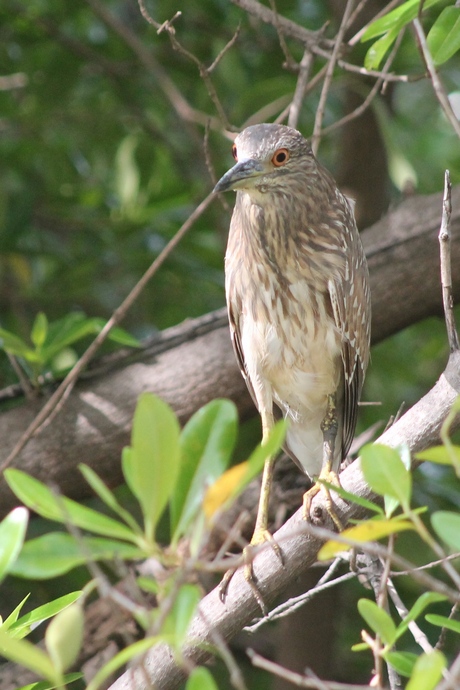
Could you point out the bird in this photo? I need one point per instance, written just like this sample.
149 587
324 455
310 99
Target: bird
298 300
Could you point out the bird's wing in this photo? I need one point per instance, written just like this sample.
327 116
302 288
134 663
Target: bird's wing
351 309
238 350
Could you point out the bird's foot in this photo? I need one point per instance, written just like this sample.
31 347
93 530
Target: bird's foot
330 477
260 537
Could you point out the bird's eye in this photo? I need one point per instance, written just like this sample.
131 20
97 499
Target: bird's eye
280 157
234 152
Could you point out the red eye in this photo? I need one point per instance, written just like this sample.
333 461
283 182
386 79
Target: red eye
234 152
280 157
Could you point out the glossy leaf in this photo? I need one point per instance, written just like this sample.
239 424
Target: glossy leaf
64 636
427 671
39 498
55 553
12 533
207 443
447 526
378 620
443 622
385 472
151 463
370 530
201 679
444 36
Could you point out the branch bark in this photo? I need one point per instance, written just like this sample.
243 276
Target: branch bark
190 364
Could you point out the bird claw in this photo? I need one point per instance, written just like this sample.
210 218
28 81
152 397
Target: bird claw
260 537
332 478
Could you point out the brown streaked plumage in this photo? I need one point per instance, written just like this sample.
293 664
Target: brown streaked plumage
297 293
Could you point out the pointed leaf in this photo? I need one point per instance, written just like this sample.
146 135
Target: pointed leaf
379 49
12 533
13 344
370 530
440 455
385 472
447 526
183 610
55 553
444 37
207 443
39 330
39 498
427 671
201 679
378 620
31 620
13 617
151 466
395 19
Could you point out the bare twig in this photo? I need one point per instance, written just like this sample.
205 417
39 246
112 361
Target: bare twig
446 268
316 136
418 635
438 86
297 679
300 89
117 316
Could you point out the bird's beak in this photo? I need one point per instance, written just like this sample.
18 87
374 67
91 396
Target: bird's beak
243 170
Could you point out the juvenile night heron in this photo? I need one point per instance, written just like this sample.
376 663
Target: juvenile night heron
298 300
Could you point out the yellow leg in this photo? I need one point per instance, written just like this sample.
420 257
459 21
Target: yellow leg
329 428
261 534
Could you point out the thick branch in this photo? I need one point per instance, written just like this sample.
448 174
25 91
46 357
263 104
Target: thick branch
193 363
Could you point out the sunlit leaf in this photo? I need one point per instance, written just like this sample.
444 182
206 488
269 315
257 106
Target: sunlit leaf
42 613
13 344
378 620
120 659
402 662
385 472
39 330
207 443
28 655
201 679
439 455
12 533
443 622
183 610
370 530
151 464
395 19
427 671
46 685
444 36
417 609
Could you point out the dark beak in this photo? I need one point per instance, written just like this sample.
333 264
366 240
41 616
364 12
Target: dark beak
241 171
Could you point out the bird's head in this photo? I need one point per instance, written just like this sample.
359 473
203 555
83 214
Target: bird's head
267 155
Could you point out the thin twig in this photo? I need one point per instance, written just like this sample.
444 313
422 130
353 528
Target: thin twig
438 86
446 264
297 679
316 136
418 635
442 635
114 320
301 86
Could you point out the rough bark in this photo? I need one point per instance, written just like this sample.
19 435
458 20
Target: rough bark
193 363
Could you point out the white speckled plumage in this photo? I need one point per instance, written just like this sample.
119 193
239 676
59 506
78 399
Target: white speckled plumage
297 291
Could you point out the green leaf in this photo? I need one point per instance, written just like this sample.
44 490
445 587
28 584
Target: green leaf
39 498
12 533
368 530
39 330
385 473
23 625
201 679
417 609
151 464
55 553
402 662
28 655
207 443
177 623
427 671
13 617
45 685
378 620
395 19
443 622
354 498
379 49
444 36
64 636
447 526
13 344
439 455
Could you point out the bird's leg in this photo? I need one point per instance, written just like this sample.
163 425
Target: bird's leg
329 427
261 534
